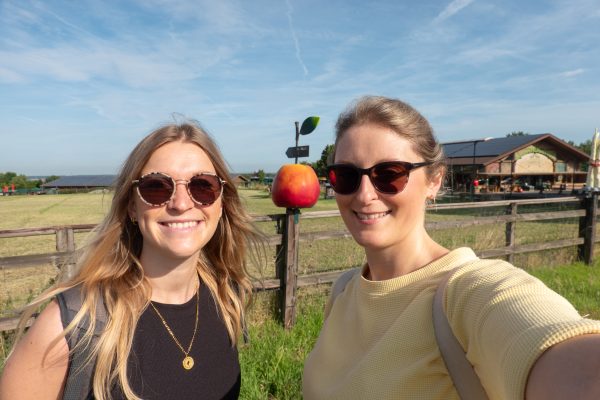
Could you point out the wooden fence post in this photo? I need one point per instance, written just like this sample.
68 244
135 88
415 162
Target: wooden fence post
587 228
65 242
287 267
510 230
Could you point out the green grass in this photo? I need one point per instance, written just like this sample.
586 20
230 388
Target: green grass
578 283
273 360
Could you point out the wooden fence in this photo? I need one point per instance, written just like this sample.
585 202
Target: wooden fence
289 237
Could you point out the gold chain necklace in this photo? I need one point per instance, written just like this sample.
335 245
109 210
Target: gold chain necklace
188 361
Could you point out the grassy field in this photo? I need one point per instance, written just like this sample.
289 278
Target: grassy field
272 362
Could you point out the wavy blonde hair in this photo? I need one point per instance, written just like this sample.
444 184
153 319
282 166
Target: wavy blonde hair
109 267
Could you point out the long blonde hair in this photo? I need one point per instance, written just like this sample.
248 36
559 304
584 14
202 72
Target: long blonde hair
109 268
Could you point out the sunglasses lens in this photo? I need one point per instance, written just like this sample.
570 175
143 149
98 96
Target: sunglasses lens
205 189
344 178
155 189
390 178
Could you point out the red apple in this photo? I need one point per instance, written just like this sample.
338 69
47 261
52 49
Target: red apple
295 186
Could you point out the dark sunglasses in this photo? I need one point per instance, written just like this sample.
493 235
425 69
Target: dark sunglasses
157 188
388 177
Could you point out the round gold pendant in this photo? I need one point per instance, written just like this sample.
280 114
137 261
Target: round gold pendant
188 362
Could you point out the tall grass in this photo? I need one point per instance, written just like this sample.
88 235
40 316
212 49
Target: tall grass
272 361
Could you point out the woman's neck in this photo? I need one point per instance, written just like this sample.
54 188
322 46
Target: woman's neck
405 257
173 281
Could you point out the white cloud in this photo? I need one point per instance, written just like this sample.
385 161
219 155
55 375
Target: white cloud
451 9
223 16
10 76
575 72
128 65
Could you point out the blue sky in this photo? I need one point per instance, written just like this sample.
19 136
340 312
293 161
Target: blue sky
81 82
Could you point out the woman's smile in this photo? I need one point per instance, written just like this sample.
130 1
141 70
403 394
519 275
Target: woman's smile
178 226
371 218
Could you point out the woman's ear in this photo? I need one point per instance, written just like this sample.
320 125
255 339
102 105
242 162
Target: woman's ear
131 211
435 183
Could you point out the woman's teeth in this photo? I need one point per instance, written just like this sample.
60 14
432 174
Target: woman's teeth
365 217
181 225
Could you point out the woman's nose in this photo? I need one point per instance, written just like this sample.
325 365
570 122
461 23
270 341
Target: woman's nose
366 191
181 200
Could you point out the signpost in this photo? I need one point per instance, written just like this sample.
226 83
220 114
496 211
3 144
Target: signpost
309 125
296 152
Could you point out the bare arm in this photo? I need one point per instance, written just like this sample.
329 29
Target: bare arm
35 370
568 370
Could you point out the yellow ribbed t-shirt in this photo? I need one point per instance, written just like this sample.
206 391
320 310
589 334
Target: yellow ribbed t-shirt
377 341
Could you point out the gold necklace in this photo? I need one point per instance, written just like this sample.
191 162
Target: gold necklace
188 361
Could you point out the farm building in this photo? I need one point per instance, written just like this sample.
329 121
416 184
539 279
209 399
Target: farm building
515 163
240 180
81 182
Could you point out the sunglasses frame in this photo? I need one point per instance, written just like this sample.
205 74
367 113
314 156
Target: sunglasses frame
186 182
369 171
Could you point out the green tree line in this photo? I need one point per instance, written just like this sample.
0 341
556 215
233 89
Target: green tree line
20 181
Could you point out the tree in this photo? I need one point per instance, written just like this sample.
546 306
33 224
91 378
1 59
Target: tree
321 164
586 146
517 133
52 178
7 177
261 176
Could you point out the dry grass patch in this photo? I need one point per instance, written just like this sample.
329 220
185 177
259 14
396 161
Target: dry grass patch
20 285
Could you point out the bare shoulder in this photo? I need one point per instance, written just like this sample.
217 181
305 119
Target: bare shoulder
38 365
568 370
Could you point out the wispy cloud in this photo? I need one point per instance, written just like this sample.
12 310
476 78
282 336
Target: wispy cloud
451 9
10 76
574 72
295 37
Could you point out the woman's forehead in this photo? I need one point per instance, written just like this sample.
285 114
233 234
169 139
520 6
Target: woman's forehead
177 158
373 143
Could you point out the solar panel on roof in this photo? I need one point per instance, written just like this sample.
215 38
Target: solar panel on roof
82 181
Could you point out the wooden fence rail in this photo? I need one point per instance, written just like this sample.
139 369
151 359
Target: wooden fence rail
288 238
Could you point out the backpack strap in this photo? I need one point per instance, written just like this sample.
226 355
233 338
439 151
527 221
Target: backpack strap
461 371
81 368
342 281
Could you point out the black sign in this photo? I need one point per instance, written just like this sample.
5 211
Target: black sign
298 151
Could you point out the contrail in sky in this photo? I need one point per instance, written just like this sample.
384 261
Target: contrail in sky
291 23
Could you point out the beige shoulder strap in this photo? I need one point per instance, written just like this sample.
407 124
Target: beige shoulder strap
342 281
461 371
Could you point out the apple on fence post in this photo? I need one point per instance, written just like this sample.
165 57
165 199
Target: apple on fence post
295 186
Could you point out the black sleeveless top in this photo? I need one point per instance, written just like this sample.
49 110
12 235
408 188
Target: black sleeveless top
155 369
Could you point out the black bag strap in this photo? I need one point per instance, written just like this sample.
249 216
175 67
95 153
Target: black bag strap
461 371
81 368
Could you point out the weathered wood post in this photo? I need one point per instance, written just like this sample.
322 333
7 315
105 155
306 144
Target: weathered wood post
587 227
65 242
287 266
511 229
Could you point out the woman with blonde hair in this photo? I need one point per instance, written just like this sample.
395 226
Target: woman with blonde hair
162 287
512 335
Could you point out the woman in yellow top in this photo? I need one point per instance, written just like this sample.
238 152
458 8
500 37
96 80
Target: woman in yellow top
377 341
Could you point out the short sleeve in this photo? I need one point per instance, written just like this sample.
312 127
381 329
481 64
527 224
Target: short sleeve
505 319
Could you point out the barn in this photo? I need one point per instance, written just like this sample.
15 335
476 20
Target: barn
515 163
80 183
